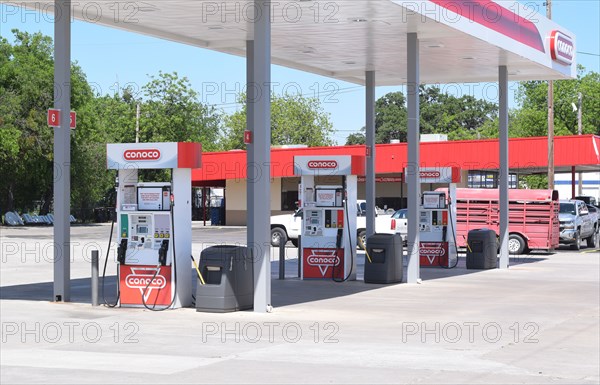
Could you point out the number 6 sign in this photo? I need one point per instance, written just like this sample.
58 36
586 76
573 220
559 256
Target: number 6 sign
54 118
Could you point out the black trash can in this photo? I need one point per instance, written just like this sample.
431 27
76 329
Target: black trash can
385 251
482 249
229 276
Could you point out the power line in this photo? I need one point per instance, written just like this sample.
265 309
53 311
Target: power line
588 53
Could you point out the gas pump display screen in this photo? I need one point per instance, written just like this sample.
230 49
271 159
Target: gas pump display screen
154 198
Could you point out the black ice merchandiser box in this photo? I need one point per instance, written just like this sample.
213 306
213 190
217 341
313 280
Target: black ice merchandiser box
385 251
482 249
229 275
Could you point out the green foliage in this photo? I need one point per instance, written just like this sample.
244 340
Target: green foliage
460 118
294 120
27 91
532 117
356 138
390 118
534 181
172 112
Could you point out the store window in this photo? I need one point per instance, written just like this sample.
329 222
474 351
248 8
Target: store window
488 179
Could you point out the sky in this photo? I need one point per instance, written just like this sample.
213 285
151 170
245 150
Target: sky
114 59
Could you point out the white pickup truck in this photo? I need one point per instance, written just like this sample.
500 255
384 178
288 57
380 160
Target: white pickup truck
286 227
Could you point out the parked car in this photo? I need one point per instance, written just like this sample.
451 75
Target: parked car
594 213
576 224
589 200
399 223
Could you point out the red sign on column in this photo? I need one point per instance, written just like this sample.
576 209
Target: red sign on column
247 137
54 118
73 120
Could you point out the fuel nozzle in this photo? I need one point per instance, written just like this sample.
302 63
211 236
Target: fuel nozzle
122 251
162 252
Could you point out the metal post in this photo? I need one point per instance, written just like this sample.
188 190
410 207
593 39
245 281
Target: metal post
95 276
62 151
281 260
370 141
259 172
503 183
299 256
137 123
579 132
412 177
573 182
204 206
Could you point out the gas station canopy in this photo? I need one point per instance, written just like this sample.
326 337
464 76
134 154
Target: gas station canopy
460 40
370 42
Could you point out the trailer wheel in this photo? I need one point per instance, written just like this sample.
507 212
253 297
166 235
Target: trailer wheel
516 244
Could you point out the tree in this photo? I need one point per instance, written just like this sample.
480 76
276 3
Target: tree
172 112
464 117
356 138
26 92
531 119
460 118
294 120
390 118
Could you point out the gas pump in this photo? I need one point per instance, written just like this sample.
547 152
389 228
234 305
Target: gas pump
153 255
328 227
437 219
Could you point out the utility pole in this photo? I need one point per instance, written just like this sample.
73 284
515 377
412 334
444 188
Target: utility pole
580 132
550 116
137 123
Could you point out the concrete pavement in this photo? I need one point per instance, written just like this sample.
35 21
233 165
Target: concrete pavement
537 322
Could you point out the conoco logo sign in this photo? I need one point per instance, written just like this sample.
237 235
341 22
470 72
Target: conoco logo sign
144 279
561 47
134 281
430 174
431 251
323 259
150 154
322 164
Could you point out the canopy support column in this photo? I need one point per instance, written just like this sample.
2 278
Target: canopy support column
503 183
259 155
62 151
370 142
412 177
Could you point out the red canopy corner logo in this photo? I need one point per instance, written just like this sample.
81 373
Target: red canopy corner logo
322 164
562 48
150 154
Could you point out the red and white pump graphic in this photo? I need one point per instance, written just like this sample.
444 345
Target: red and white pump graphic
137 282
317 263
142 278
433 253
